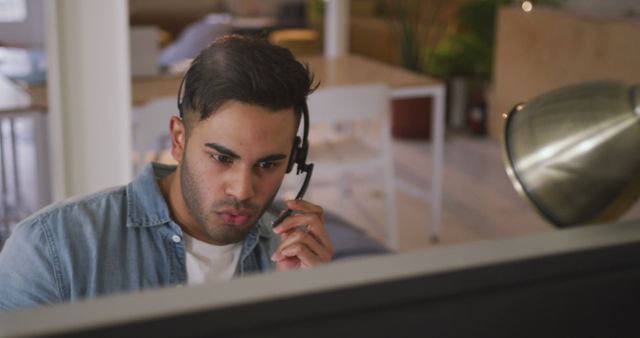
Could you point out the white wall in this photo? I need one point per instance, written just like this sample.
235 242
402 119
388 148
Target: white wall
89 94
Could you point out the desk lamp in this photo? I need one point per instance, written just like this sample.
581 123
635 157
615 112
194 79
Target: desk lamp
574 152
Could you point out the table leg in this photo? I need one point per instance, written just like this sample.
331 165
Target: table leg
4 221
437 139
17 189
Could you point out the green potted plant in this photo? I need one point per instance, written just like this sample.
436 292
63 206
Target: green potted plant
464 57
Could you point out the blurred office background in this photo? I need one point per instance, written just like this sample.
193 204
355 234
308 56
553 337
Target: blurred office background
487 55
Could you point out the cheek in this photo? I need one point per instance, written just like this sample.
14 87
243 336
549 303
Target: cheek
270 183
205 176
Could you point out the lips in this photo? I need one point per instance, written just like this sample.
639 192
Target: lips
234 217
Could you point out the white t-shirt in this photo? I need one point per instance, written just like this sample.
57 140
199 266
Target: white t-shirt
207 262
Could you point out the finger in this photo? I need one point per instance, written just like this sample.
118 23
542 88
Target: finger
301 252
315 227
312 223
299 207
304 206
296 220
287 264
307 239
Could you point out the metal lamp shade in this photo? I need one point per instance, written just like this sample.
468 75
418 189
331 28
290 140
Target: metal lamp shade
574 153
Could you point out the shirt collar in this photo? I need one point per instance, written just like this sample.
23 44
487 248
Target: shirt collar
146 206
260 232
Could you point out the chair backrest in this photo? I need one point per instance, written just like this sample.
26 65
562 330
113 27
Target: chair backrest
357 141
151 127
349 103
349 126
354 110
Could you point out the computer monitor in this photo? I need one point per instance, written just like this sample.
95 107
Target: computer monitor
580 282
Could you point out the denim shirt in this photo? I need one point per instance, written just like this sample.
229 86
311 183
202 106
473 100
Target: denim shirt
118 240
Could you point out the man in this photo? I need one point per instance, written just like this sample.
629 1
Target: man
204 219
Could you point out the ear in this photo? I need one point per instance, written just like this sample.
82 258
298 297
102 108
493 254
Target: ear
178 137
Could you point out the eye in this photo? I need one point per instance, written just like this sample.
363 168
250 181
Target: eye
267 165
222 158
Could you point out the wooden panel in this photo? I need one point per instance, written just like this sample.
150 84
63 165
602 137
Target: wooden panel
373 38
546 49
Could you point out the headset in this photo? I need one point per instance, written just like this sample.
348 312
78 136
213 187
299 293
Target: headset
299 150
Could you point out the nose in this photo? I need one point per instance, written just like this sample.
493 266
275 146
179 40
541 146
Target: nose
240 183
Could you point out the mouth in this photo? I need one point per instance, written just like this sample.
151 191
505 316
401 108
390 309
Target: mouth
234 217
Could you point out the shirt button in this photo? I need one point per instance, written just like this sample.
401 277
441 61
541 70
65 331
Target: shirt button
176 239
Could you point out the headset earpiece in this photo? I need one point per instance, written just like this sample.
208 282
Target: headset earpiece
293 158
301 146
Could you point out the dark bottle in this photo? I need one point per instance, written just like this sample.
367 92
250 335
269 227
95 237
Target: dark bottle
477 109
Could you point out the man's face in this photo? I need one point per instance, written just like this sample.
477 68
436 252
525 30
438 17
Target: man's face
231 168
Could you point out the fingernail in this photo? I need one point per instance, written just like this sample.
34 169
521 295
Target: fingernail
277 229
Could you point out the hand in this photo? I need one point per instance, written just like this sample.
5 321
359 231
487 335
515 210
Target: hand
303 240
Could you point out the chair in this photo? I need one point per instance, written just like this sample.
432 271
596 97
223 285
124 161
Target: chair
350 134
194 38
151 139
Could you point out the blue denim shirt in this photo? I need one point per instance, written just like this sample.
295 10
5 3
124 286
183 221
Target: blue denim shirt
117 240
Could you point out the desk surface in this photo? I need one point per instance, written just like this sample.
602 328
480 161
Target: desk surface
343 70
143 89
353 69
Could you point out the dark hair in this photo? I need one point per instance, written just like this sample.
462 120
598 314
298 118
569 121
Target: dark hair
246 69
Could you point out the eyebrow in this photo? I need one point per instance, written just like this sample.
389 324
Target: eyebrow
223 150
228 152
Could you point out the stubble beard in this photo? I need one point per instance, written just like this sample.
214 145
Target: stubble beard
205 218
